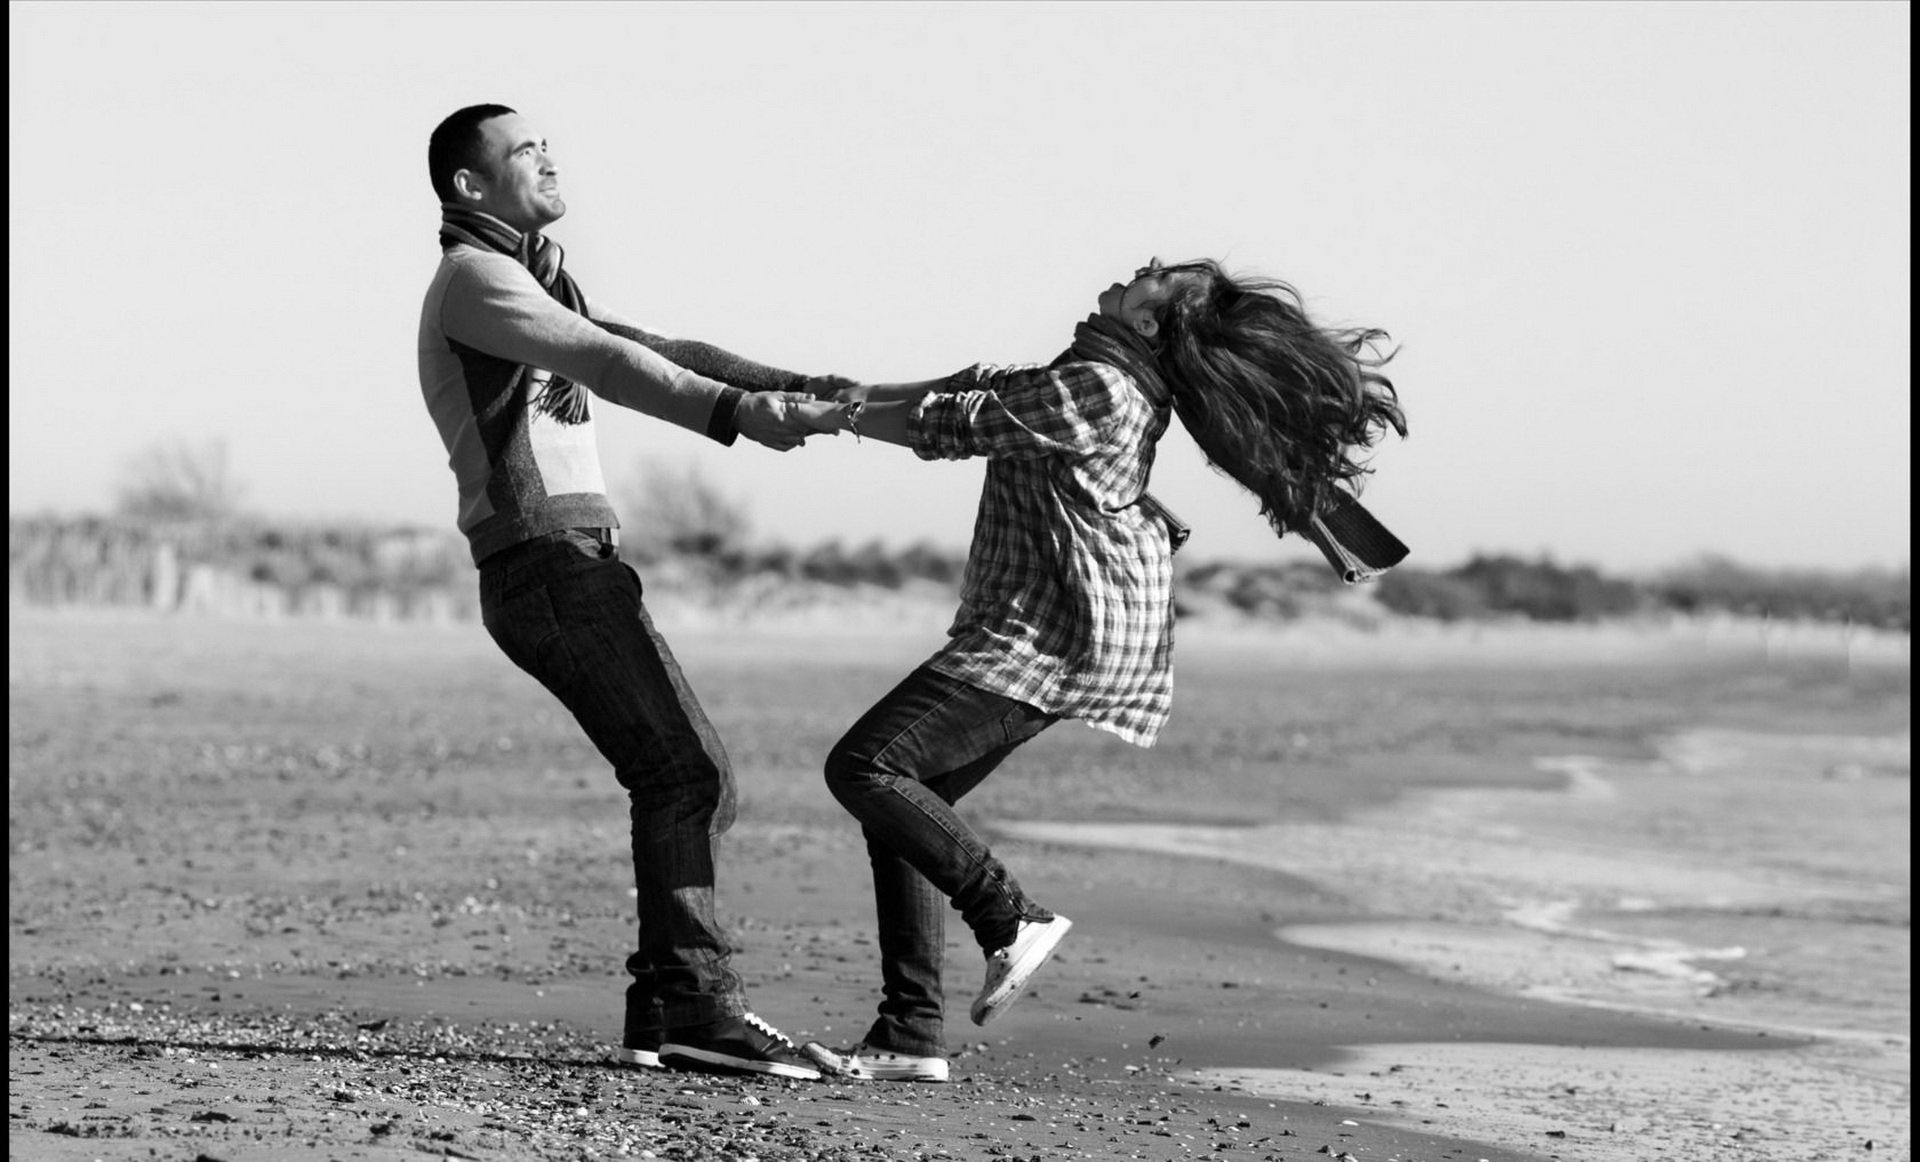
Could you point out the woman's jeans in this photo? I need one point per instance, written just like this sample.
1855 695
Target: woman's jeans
567 610
899 770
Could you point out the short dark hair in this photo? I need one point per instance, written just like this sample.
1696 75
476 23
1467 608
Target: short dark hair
456 145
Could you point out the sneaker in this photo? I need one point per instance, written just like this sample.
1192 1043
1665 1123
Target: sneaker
1010 968
865 1063
742 1044
642 1050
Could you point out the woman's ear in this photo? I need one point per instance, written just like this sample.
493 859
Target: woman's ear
1146 326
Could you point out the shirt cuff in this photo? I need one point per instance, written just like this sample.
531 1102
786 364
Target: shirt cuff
938 427
720 426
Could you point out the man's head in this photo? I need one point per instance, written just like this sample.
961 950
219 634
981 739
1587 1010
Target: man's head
489 158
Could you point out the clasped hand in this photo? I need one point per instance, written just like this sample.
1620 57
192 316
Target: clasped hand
782 420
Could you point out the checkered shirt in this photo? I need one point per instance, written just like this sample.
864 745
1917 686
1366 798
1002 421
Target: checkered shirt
1067 601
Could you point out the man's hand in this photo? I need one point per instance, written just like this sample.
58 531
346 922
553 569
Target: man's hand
833 387
774 418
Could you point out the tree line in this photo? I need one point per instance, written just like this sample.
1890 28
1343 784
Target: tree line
294 568
180 539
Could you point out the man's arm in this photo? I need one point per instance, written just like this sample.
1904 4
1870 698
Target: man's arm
711 361
496 307
716 362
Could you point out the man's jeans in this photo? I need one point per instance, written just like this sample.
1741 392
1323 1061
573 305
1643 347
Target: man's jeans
568 611
899 770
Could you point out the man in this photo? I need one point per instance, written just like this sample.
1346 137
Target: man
507 344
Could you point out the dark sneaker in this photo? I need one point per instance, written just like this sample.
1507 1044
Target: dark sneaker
865 1063
1009 968
742 1044
642 1049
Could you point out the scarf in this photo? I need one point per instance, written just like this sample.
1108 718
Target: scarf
1358 546
1099 339
563 399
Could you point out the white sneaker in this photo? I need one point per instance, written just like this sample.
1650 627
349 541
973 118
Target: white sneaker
866 1063
1009 969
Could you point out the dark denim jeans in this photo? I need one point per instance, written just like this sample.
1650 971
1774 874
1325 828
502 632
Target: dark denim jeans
568 611
899 770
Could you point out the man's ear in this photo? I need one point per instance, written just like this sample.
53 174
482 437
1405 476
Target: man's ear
467 184
1147 327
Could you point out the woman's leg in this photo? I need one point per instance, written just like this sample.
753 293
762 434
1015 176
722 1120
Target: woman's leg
899 770
911 917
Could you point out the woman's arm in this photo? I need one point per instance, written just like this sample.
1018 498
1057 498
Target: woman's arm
886 422
884 407
1015 413
879 393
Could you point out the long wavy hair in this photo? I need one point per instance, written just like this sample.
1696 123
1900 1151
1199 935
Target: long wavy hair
1285 407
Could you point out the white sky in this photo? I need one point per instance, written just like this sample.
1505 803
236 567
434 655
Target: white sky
1648 264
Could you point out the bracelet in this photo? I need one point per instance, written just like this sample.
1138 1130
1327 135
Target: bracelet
853 417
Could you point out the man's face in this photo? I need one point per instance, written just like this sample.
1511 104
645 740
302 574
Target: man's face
520 185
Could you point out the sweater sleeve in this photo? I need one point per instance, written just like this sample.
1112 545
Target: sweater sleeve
494 306
708 360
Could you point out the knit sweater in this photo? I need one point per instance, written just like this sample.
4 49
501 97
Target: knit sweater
520 472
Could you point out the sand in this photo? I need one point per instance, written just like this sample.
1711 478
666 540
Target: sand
354 892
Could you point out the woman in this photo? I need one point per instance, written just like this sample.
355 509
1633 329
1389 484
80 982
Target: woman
1066 608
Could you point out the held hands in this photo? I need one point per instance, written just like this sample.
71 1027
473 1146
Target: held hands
782 420
834 387
832 418
774 418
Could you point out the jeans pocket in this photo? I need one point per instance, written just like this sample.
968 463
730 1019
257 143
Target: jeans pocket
1021 722
526 629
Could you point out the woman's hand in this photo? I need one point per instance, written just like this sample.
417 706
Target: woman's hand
827 418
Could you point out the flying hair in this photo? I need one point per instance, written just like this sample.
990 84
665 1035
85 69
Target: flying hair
1283 406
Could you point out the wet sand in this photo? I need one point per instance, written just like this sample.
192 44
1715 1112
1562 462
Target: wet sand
1736 881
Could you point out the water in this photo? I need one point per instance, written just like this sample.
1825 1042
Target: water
1740 879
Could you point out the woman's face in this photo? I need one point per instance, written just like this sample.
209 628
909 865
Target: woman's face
1137 304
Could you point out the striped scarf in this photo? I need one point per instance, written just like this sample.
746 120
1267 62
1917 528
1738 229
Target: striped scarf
563 399
1357 546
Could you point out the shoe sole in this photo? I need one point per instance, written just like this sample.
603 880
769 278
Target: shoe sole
935 1072
643 1058
697 1060
928 1069
1018 974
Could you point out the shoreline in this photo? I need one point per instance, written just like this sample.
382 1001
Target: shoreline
1536 895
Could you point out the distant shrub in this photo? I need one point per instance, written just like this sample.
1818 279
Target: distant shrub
828 562
1424 593
679 513
927 562
1543 591
1874 597
178 481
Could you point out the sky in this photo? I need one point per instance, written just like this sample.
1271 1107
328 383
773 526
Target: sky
1647 265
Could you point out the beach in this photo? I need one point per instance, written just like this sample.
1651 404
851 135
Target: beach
1412 892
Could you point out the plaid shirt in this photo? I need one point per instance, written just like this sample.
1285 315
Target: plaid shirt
1067 601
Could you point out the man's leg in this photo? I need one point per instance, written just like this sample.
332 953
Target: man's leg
571 615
